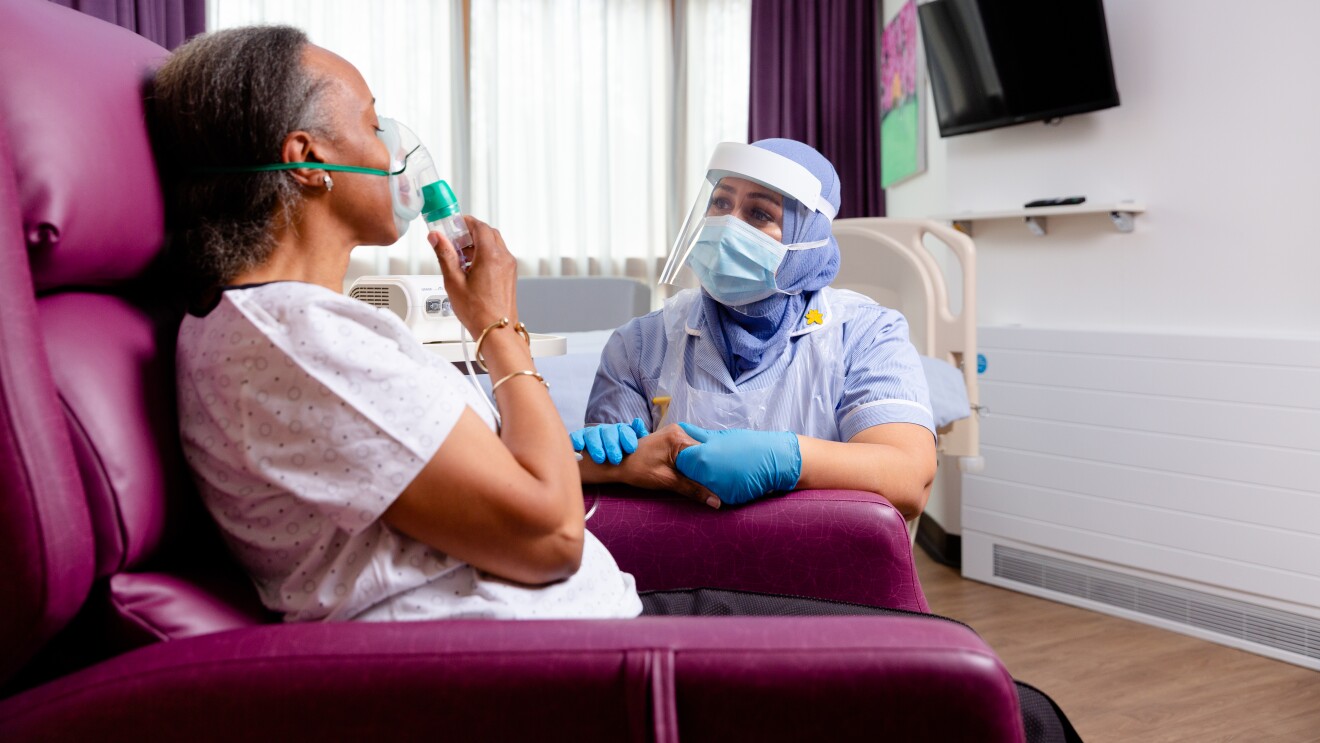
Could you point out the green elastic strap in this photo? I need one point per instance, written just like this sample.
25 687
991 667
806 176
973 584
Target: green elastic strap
296 166
309 165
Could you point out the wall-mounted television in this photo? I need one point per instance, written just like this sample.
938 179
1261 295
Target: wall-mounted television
995 63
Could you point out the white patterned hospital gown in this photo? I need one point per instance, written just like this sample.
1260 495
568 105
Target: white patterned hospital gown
304 414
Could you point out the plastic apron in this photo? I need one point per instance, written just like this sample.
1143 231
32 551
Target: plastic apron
803 399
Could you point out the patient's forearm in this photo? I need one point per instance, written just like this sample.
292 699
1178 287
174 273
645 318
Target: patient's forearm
651 466
901 470
598 474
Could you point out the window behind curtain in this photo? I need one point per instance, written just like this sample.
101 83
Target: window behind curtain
715 39
585 126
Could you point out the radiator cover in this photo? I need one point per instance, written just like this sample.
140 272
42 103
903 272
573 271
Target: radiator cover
1168 478
1259 625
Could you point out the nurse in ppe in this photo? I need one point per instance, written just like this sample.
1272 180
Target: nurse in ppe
775 380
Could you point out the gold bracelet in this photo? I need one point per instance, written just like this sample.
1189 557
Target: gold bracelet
482 339
520 329
523 373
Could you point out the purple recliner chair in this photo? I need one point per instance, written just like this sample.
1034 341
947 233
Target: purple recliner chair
122 616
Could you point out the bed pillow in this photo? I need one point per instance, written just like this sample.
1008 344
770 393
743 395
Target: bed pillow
948 392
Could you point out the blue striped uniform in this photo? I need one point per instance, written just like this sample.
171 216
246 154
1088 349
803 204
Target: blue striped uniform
883 380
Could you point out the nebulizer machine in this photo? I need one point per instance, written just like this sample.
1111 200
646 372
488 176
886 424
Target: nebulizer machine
416 190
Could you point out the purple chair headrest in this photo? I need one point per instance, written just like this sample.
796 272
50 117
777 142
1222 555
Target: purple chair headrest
90 200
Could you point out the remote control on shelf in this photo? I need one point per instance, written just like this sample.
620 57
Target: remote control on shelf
1065 201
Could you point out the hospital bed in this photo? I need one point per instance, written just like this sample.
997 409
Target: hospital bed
124 617
927 271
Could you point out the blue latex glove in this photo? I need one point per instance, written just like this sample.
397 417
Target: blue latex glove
739 465
609 440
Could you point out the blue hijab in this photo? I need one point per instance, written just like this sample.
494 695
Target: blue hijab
744 336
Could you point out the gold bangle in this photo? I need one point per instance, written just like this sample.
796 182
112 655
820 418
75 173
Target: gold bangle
481 339
523 373
520 329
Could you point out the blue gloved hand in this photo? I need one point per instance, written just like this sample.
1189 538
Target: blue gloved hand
609 440
739 465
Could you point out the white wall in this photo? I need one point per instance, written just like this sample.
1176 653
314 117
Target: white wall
1218 133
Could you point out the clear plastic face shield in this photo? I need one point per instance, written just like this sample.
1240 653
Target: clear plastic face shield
737 221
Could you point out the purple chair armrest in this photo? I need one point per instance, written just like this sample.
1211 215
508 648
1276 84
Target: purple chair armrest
713 678
845 545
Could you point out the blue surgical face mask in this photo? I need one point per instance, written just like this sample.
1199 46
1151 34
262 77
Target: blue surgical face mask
737 263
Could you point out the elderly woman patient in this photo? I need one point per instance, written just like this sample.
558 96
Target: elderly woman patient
354 474
785 382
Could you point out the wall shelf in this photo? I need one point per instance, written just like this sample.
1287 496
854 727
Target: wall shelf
1122 213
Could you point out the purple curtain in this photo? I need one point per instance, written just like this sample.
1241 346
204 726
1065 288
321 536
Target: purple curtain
814 79
166 22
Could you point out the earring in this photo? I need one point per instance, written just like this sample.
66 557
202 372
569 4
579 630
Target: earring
329 182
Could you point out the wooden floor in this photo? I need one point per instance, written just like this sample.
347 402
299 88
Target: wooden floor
1120 680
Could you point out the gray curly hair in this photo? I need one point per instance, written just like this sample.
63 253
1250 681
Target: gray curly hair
227 99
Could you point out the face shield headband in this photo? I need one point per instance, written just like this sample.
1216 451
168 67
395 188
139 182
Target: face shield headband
792 182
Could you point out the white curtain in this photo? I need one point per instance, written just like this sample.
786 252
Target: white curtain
713 53
715 41
411 54
592 121
588 125
571 119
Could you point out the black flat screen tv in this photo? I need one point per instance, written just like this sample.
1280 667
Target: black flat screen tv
995 63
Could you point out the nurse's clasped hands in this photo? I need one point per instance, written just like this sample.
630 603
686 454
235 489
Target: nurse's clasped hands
736 465
609 441
740 465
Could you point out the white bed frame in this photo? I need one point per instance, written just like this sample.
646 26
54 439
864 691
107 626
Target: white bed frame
888 260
